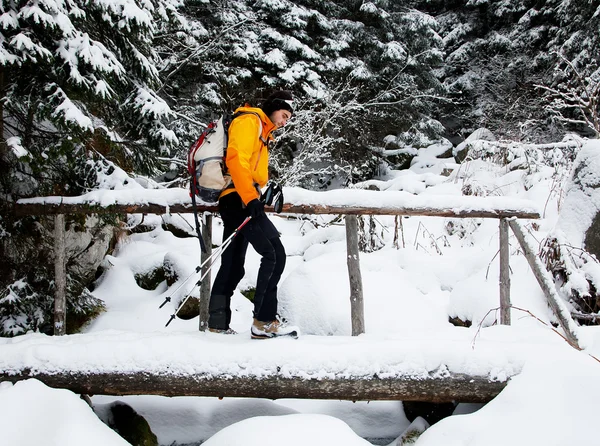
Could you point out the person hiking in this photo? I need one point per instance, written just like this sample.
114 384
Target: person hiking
247 161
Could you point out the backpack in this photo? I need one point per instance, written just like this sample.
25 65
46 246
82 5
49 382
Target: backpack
206 159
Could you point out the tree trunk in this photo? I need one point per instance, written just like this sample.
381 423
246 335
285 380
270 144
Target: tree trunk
3 147
356 288
438 389
60 276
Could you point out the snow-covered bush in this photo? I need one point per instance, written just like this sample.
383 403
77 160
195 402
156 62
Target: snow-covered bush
571 250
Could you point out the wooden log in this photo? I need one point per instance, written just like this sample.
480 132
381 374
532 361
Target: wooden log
547 146
206 273
504 273
60 277
356 289
593 318
546 282
453 387
24 209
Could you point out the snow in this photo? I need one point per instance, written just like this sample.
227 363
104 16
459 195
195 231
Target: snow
582 203
298 430
167 351
444 267
14 143
562 392
60 418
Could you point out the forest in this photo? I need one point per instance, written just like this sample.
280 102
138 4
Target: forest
413 104
92 88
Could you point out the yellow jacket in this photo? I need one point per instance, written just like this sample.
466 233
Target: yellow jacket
247 153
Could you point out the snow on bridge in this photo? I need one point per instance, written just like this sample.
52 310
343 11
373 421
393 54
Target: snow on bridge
297 200
460 364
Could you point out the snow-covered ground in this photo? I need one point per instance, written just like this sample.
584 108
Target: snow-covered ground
443 268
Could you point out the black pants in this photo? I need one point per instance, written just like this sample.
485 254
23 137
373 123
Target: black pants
264 238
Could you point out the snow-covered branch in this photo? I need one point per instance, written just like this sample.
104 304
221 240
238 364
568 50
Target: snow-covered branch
579 94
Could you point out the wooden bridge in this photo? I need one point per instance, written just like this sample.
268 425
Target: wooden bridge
456 365
285 378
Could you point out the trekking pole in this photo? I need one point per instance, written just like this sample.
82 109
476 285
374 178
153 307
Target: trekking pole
168 298
213 257
217 252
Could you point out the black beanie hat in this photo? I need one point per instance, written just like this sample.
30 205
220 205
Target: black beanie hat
280 100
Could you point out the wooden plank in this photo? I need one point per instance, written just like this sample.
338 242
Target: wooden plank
60 277
546 282
24 209
356 289
434 388
504 273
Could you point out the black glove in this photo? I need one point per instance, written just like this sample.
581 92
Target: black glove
278 205
273 195
256 208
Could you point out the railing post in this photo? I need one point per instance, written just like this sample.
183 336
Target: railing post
60 276
546 282
205 286
504 273
356 289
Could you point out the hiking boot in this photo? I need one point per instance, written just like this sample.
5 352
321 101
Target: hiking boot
272 329
228 331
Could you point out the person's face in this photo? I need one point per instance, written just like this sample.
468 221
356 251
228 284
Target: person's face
280 117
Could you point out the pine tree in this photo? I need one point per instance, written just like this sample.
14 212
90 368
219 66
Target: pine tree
78 84
499 52
80 76
573 90
360 70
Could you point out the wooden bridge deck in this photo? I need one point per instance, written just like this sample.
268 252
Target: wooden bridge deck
451 367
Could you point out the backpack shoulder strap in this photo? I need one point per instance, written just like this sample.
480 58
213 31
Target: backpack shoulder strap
260 126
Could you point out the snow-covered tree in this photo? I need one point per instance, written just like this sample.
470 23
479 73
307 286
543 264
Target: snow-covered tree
382 54
498 51
78 91
79 76
575 99
573 90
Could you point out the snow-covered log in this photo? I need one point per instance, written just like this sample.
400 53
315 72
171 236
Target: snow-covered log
368 367
297 201
455 387
546 282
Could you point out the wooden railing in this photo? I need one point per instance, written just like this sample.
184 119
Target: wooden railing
507 210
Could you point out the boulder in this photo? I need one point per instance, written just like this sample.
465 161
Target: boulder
125 421
461 151
572 249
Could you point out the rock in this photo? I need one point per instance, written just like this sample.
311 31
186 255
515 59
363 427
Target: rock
570 249
150 280
461 151
431 412
173 266
592 237
458 322
130 425
177 267
190 309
